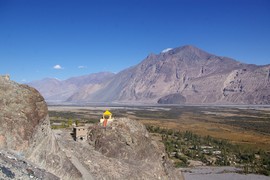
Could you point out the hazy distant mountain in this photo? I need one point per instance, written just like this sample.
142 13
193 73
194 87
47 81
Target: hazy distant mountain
57 90
182 75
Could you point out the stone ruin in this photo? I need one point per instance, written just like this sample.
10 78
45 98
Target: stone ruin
6 77
80 133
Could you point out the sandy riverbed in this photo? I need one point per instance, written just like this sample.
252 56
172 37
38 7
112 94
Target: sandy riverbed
220 173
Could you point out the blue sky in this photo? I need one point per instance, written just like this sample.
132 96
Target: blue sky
85 37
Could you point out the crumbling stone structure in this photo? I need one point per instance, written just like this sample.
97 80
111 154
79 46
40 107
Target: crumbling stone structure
80 133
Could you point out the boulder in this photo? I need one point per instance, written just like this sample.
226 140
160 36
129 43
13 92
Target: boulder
25 129
133 151
172 99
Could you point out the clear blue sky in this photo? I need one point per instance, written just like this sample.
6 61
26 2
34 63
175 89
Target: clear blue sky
110 35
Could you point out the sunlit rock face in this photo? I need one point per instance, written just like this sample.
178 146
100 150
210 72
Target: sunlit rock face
129 152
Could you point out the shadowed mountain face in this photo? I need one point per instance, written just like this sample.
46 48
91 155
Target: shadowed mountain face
187 72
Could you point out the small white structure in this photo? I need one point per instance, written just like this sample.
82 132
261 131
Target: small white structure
106 118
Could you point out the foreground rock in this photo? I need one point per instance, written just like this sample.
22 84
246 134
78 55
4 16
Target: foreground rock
123 150
15 167
129 144
25 130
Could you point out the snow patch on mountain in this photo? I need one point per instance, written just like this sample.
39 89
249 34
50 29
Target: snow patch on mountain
166 50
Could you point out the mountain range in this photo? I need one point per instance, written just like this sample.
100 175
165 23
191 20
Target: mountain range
183 75
55 90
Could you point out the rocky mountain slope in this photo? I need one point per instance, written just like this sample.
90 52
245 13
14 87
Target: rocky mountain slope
25 131
122 150
191 75
55 90
184 75
129 142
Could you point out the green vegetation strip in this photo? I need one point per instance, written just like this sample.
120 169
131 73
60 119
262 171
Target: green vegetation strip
182 147
65 119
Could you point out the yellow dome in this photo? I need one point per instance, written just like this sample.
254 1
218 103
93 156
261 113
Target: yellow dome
108 113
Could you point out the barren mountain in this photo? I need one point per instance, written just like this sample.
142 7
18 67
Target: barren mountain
184 75
187 75
56 90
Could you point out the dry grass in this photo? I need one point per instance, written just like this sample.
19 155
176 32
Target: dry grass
207 126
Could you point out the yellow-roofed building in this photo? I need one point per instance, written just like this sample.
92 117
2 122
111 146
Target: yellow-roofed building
107 113
106 118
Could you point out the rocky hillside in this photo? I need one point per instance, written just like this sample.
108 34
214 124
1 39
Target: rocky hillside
25 130
122 150
129 142
184 75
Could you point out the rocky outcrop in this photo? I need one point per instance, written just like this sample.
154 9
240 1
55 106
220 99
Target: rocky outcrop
128 152
172 99
15 167
25 129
